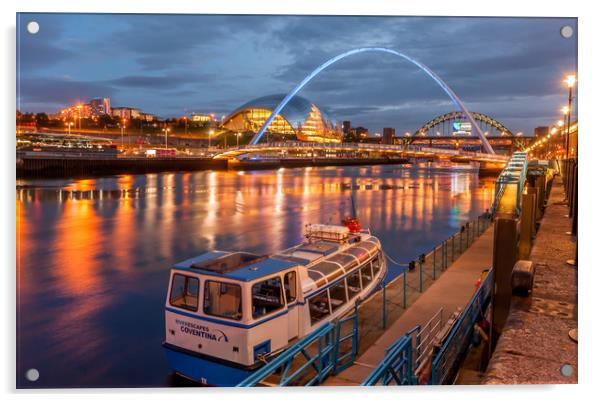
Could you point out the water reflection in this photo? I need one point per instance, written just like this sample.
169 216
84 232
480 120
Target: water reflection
93 255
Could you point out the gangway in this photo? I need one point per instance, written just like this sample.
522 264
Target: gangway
329 349
509 185
410 355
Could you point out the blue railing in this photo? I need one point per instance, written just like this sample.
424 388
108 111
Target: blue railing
397 368
514 173
312 359
401 366
446 359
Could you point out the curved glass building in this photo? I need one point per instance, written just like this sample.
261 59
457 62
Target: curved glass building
300 118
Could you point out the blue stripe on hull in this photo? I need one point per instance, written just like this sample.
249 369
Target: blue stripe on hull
205 371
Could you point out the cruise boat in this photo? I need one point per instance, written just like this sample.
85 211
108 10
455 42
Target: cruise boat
228 313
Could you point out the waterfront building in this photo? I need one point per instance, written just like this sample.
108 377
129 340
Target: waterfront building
126 112
540 132
388 135
300 119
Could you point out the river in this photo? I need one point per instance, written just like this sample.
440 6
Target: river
93 255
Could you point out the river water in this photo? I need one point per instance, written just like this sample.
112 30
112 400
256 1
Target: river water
93 255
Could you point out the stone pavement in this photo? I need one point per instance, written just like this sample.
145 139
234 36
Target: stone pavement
535 345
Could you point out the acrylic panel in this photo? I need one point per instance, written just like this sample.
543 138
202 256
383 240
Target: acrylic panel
282 200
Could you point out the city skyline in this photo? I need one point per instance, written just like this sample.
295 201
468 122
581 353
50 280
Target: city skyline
172 65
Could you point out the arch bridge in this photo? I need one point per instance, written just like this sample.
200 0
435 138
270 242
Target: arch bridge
449 131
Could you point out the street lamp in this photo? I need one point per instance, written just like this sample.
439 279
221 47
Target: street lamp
166 129
79 116
210 134
122 129
237 137
69 124
570 82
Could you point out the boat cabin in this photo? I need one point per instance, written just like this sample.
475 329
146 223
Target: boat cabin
240 308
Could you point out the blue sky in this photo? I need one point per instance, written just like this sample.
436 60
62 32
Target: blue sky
169 65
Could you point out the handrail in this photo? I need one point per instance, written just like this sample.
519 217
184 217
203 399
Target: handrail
396 367
514 173
447 357
284 360
322 353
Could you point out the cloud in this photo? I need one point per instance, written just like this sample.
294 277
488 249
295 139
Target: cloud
167 63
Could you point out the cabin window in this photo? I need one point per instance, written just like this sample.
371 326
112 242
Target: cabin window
184 292
353 284
267 297
318 307
338 295
290 286
223 300
366 272
376 265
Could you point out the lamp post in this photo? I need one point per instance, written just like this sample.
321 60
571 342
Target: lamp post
123 121
166 130
237 137
69 124
570 82
79 116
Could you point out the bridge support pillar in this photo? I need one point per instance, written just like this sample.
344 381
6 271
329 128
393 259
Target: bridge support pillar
504 257
527 223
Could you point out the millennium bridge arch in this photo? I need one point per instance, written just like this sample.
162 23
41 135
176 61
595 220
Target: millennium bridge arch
341 56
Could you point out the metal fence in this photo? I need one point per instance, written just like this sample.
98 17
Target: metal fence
420 273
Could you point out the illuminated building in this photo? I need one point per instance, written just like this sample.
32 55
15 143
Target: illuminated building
540 132
201 118
100 106
388 135
95 108
300 118
126 112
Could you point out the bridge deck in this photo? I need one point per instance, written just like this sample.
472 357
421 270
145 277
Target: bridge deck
452 290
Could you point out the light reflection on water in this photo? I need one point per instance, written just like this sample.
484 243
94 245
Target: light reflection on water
93 255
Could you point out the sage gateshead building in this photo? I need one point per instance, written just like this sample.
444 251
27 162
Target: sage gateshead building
300 118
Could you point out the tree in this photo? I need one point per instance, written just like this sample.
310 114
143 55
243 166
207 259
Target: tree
42 120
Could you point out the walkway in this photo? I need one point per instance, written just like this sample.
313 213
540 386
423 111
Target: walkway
535 344
452 290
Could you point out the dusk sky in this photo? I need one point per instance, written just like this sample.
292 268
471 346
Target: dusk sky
170 65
